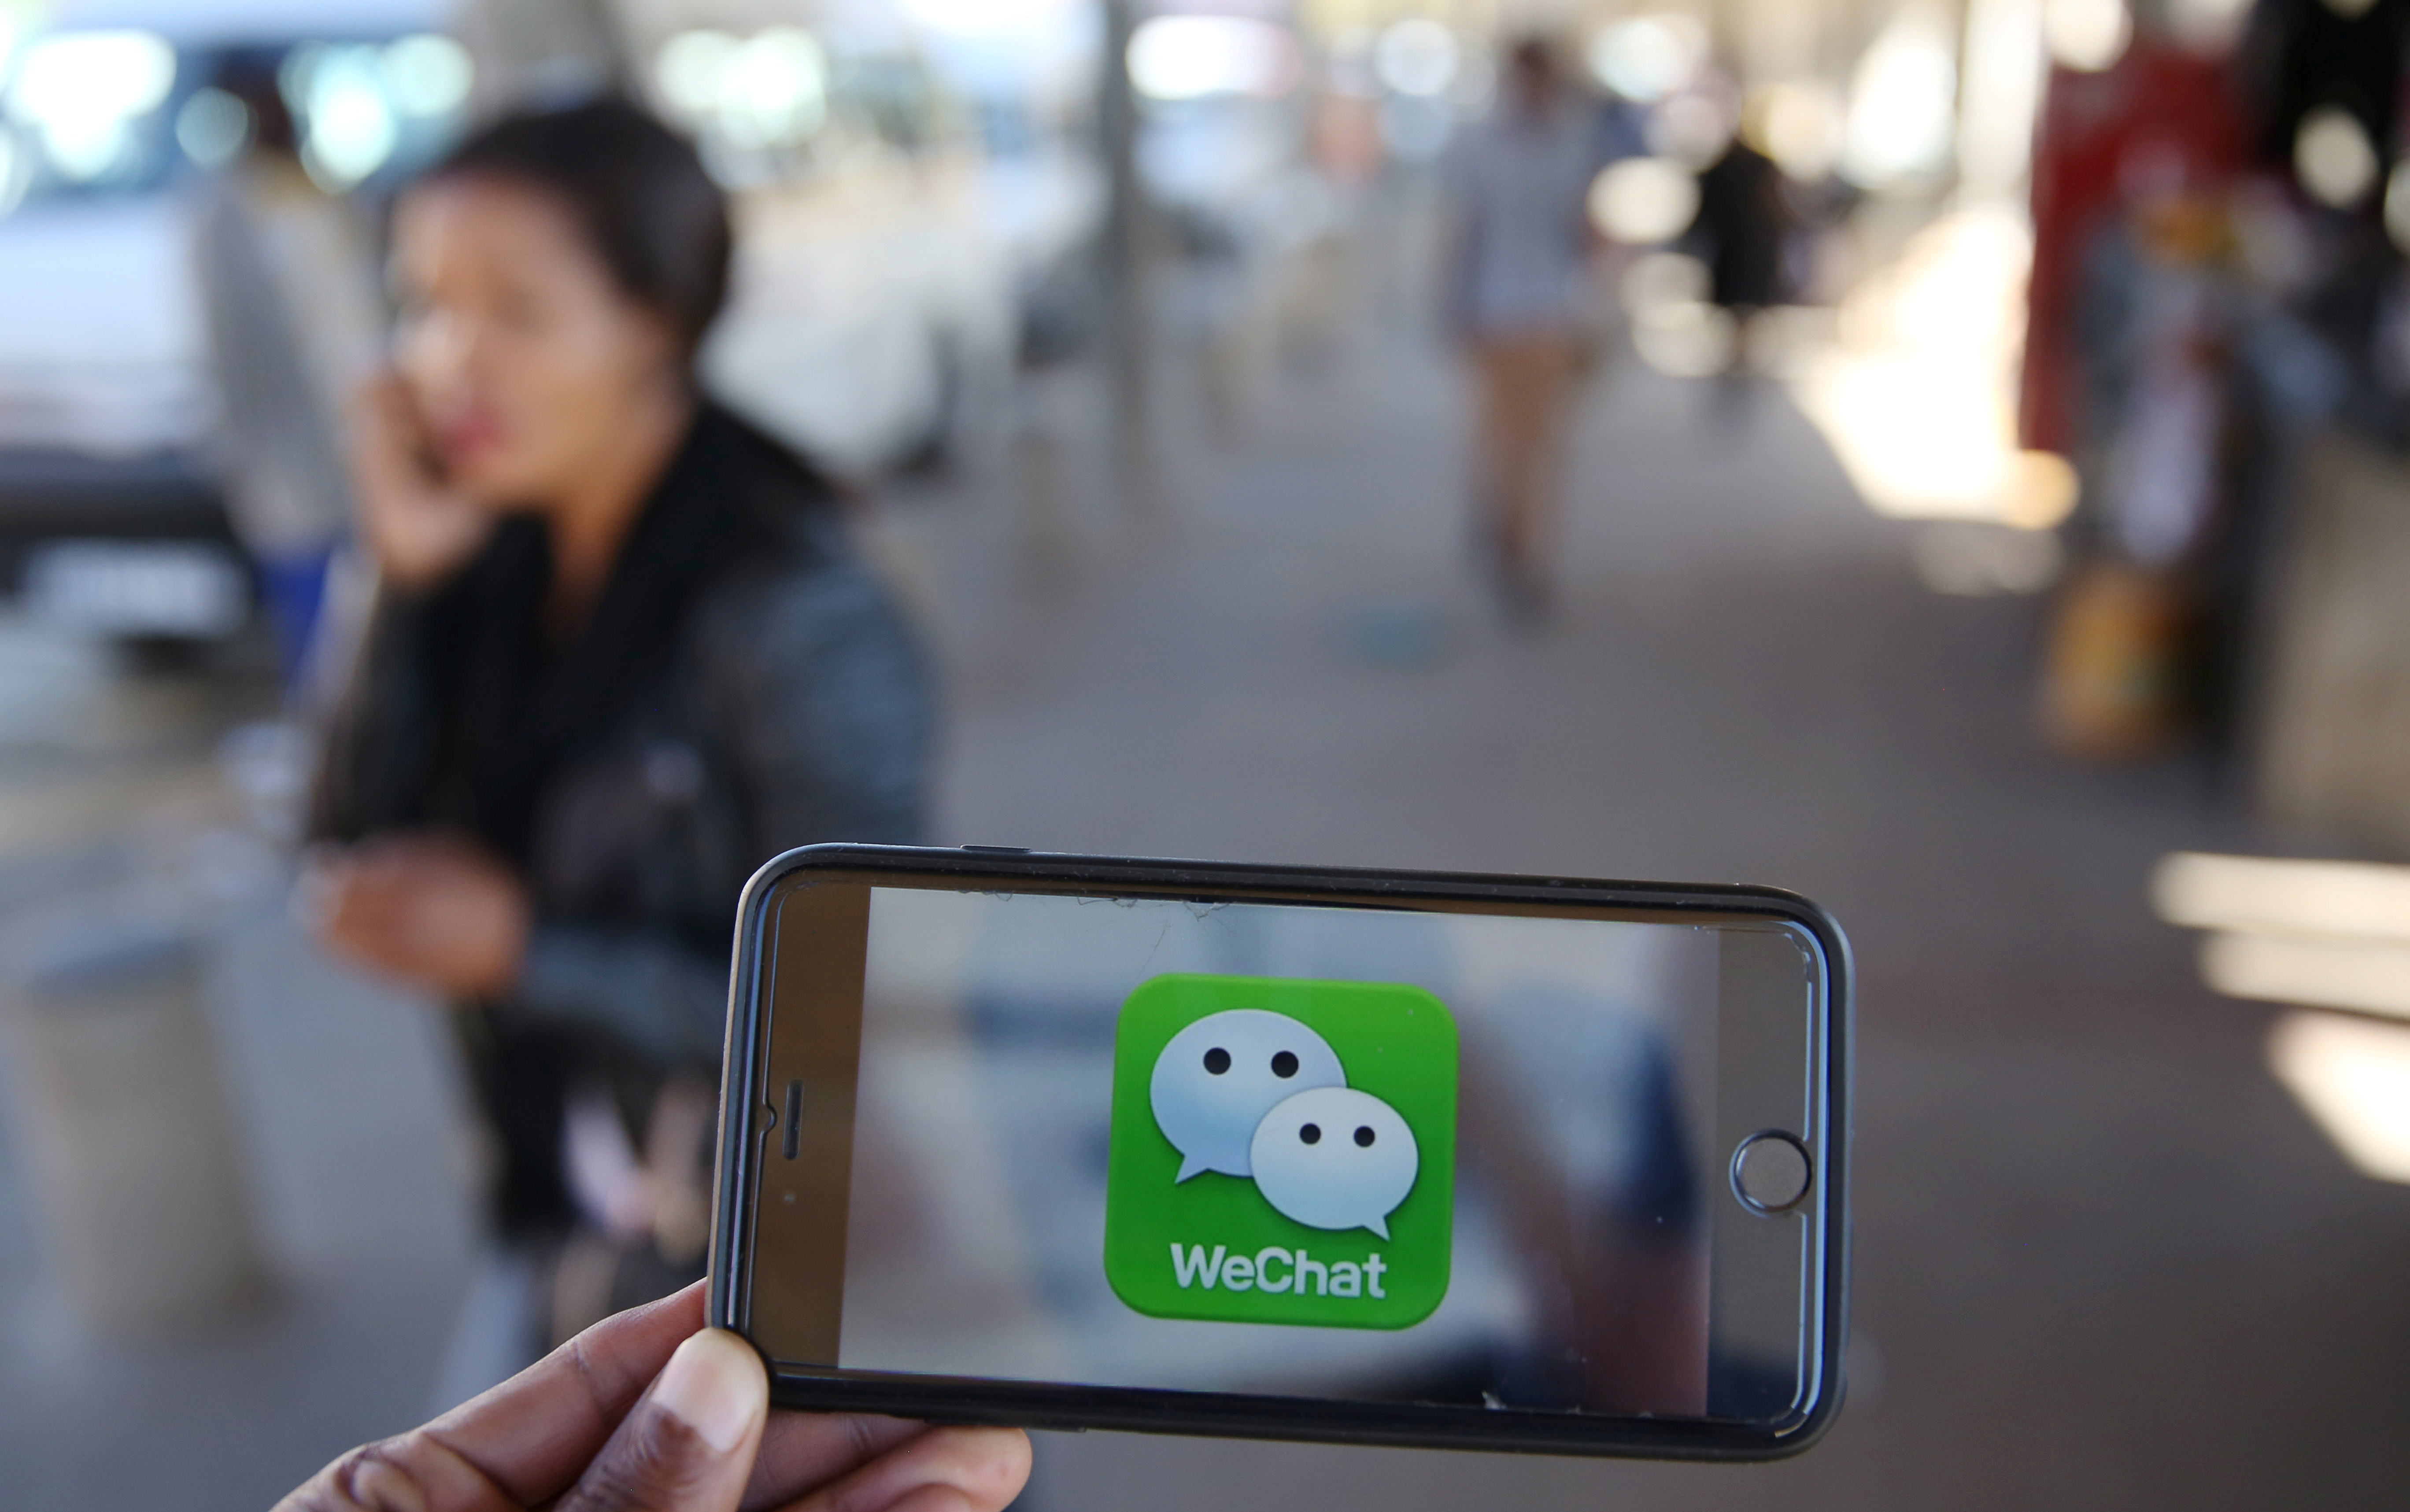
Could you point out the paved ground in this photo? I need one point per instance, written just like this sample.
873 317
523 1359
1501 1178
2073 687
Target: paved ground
2103 1261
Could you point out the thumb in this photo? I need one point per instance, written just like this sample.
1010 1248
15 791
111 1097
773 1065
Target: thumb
688 1445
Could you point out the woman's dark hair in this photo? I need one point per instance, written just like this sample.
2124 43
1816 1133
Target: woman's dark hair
638 193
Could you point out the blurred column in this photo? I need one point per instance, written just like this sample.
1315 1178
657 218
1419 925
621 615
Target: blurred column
1129 345
541 51
2002 64
1773 41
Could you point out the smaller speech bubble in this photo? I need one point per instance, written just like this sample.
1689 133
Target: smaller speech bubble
1334 1158
1218 1077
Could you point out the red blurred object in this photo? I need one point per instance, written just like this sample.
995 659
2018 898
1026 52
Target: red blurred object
2159 121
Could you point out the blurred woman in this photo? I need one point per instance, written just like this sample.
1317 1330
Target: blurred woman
623 654
1520 243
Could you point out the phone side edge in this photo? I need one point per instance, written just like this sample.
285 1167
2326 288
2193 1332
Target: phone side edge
728 1266
1218 1415
1837 1064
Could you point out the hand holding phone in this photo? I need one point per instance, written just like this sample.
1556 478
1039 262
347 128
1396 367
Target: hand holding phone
419 527
649 1412
1411 1158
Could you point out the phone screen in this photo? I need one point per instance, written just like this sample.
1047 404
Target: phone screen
1294 1149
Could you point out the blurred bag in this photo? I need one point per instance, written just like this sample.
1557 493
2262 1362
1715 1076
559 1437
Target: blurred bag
2114 679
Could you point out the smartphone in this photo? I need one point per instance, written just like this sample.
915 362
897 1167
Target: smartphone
1486 1163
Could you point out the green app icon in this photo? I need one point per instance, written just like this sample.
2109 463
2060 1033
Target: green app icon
1282 1152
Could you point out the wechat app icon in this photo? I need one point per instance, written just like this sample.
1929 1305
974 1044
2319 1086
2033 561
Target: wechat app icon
1282 1152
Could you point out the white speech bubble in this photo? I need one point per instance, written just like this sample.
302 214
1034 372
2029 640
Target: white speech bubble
1218 1077
1335 1159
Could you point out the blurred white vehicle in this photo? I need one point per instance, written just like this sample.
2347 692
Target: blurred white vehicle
110 512
872 310
873 307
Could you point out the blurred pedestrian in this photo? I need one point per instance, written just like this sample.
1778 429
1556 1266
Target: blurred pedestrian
1520 264
624 652
294 321
1742 231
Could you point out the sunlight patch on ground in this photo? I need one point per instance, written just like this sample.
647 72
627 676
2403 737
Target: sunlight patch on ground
2322 935
1916 389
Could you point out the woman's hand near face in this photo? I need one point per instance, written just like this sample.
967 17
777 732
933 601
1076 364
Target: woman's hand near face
421 528
432 910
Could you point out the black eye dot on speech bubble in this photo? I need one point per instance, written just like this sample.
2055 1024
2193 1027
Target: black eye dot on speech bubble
1364 1135
1310 1134
1284 1065
1217 1060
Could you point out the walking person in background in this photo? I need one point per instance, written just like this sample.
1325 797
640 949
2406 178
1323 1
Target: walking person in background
1520 248
1741 231
289 293
623 653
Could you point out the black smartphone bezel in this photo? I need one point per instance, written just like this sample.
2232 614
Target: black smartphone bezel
1050 1405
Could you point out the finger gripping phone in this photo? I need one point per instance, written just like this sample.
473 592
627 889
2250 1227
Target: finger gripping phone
1371 1156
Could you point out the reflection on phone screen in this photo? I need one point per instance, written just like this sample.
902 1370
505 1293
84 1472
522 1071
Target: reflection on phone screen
1367 1154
